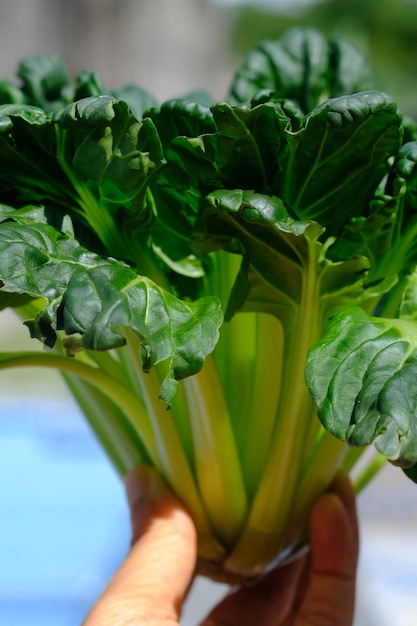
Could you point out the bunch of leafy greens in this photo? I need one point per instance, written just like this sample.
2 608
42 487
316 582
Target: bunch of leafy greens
248 265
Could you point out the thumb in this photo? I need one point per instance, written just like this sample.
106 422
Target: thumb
153 581
330 594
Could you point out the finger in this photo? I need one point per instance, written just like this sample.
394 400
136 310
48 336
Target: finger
153 580
342 487
268 602
330 594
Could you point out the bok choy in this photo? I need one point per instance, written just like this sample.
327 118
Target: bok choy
228 288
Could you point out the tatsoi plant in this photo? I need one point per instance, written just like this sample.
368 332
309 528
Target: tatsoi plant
229 289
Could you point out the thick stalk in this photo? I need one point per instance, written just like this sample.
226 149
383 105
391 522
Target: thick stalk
236 361
217 463
317 474
172 461
266 389
265 533
131 367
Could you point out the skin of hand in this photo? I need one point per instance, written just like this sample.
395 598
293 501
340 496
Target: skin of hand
149 589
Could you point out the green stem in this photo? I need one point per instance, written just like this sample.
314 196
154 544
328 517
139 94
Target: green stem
370 471
235 357
266 530
265 393
106 360
172 462
352 457
327 457
218 468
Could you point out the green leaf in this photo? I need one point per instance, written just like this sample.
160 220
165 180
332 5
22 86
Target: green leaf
293 67
87 84
280 255
181 117
107 146
411 472
95 299
29 172
340 156
251 145
349 70
362 376
408 304
10 93
303 66
406 168
243 151
12 300
375 236
92 160
44 82
138 99
387 233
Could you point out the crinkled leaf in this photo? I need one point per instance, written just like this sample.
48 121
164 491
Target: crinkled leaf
349 70
406 168
87 84
304 66
44 81
278 253
181 117
290 108
138 99
319 172
339 158
10 93
408 305
92 160
362 374
243 151
108 147
387 233
373 236
95 299
12 300
65 223
251 145
29 172
293 67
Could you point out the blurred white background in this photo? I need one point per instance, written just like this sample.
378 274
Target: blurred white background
166 47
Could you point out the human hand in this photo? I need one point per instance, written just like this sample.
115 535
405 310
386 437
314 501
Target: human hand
151 585
315 590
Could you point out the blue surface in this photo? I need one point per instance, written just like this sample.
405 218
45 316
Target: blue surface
63 521
64 527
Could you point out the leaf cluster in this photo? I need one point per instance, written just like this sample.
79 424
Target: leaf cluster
115 209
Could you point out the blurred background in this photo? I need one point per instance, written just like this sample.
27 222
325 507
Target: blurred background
63 520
